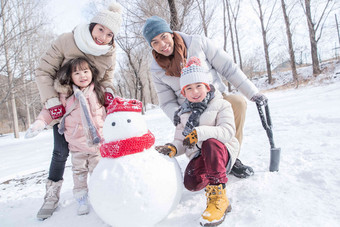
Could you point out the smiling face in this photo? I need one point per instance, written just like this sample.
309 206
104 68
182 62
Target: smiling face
163 43
82 76
102 35
196 92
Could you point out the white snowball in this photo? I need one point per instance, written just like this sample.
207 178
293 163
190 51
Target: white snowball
136 190
123 125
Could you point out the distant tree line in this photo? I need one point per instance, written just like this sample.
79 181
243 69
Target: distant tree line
25 36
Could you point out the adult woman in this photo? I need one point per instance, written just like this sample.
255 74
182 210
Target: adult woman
94 41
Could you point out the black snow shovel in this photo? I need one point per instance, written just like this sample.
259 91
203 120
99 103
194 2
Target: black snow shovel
267 125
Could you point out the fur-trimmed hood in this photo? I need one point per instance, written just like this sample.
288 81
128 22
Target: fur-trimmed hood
63 89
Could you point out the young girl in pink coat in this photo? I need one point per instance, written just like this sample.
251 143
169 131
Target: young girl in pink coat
83 98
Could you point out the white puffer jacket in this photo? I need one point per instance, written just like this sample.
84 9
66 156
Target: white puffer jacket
213 58
217 121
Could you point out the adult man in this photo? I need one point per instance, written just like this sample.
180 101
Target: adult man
170 51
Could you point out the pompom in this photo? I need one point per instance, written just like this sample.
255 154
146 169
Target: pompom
194 61
115 7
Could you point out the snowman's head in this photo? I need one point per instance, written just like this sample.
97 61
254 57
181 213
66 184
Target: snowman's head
123 125
124 120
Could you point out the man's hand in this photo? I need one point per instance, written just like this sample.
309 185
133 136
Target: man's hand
259 98
191 139
168 149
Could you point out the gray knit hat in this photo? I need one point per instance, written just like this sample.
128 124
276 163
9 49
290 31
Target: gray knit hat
153 27
193 72
110 18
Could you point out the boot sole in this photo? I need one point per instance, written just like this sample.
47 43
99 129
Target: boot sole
219 221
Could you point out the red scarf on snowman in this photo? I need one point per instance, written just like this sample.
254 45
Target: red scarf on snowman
127 146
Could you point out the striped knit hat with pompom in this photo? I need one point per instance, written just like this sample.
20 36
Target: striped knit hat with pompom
194 72
110 18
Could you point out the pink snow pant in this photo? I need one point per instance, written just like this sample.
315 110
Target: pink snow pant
83 164
208 168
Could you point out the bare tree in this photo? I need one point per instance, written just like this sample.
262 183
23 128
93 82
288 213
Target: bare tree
264 28
19 22
337 28
290 43
205 15
6 27
231 31
174 24
234 11
315 26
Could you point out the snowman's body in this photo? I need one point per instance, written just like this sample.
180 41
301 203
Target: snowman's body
137 189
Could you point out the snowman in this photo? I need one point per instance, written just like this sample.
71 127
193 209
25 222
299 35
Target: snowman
132 185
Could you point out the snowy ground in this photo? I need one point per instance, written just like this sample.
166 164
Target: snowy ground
305 192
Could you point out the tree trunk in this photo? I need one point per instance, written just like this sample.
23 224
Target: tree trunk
174 25
265 44
290 44
337 28
203 16
224 27
313 42
231 32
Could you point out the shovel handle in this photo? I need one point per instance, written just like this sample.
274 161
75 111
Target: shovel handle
266 122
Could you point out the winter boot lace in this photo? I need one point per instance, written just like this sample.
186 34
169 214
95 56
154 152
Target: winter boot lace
217 206
83 205
51 199
240 170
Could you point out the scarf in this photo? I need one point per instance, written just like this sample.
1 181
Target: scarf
85 42
173 64
128 146
89 129
196 109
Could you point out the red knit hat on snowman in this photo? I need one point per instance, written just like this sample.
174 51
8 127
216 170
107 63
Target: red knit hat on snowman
115 149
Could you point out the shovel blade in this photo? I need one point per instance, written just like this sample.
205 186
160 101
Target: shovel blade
274 159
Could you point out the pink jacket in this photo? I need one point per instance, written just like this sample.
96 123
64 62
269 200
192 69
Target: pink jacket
74 131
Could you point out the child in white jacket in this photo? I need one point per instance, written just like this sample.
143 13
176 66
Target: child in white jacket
205 132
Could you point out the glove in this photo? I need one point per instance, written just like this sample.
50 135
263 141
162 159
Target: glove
57 111
167 149
108 99
259 99
191 139
35 129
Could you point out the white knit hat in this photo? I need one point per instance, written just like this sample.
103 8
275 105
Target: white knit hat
193 72
110 18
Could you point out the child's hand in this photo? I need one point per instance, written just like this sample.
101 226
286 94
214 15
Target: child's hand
35 129
190 140
167 149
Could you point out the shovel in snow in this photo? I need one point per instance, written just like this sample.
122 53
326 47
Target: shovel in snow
267 125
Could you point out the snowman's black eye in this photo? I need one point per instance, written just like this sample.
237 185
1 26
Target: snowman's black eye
128 120
113 123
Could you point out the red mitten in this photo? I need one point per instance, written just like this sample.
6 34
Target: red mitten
108 99
57 111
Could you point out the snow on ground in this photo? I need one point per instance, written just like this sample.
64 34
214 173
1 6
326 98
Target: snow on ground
305 191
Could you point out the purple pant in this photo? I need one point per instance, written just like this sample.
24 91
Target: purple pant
207 168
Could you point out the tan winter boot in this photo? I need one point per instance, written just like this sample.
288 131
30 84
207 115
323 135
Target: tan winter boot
51 199
217 206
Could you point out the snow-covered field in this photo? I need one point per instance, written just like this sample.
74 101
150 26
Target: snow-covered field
305 191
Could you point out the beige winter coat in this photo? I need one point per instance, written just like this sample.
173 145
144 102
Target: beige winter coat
63 50
217 121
